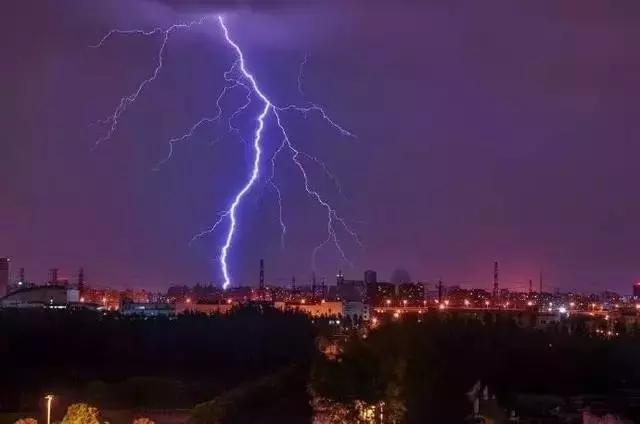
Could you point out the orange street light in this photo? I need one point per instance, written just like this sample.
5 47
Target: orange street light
49 398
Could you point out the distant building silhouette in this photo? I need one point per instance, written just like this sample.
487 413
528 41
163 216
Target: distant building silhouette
496 285
53 275
4 276
81 280
261 282
370 277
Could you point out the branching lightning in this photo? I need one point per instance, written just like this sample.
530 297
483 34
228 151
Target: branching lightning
112 120
301 74
239 77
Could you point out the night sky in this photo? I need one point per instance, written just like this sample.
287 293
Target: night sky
494 130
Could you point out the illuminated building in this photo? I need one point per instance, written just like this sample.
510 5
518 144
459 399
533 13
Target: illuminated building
317 309
146 309
351 290
189 306
41 296
636 291
411 292
379 293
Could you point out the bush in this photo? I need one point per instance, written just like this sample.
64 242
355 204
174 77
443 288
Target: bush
81 413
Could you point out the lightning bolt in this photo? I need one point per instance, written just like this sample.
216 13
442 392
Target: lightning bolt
301 74
239 77
113 119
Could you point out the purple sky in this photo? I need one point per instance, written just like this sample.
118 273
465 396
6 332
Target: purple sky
494 130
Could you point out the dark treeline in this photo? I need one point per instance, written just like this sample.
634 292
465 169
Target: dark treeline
421 370
127 362
424 370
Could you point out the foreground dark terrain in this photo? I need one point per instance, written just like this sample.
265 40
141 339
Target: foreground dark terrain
261 365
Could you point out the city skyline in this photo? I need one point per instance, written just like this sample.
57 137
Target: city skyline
482 148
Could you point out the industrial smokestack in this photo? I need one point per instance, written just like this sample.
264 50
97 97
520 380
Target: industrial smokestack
81 279
53 275
496 286
261 274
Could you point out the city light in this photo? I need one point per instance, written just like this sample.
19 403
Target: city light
466 302
49 399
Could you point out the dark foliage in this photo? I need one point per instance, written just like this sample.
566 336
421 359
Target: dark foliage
270 399
429 366
189 359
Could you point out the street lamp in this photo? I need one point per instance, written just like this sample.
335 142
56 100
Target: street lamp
49 398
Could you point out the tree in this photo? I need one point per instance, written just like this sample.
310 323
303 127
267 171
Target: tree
143 420
81 413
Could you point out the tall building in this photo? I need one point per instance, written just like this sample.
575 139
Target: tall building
53 275
261 282
496 286
411 292
4 276
370 277
81 280
379 293
349 290
636 291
